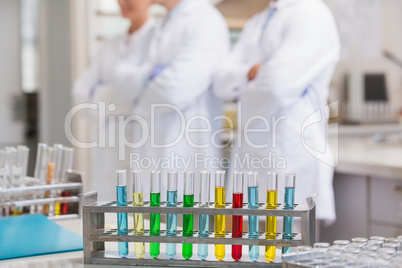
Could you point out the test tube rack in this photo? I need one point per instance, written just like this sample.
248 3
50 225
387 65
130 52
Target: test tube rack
95 234
23 194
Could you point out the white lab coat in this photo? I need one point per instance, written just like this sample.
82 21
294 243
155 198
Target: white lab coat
299 50
97 85
190 42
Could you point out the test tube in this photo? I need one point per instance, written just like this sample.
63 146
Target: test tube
2 173
289 202
270 223
253 230
237 221
40 166
155 219
67 164
23 156
121 195
48 209
58 160
58 157
188 219
171 222
68 155
203 220
14 170
138 201
220 219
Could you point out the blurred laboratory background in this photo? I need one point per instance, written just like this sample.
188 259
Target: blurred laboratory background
47 44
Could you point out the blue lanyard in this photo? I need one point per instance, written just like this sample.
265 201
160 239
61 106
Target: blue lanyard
271 13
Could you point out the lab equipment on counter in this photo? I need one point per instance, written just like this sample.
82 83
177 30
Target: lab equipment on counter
155 221
188 219
220 219
237 221
290 181
138 201
270 223
50 192
121 197
361 252
253 225
96 231
203 219
171 220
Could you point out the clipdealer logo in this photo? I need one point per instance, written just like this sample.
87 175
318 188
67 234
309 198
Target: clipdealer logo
109 137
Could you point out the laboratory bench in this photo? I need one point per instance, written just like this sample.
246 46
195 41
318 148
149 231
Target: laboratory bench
367 182
76 260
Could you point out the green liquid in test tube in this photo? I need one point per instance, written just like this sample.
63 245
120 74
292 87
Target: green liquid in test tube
155 221
188 219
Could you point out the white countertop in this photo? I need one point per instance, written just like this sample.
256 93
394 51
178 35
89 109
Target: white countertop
359 153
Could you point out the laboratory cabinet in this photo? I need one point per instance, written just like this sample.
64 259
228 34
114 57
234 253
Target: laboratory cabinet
365 206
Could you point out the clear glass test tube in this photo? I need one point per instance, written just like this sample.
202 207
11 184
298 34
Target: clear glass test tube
220 219
40 170
49 162
237 221
155 219
171 220
58 160
66 166
253 203
23 157
188 219
68 156
58 156
290 182
138 201
13 169
270 222
203 220
121 196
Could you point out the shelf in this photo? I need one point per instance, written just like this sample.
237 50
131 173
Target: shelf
111 207
112 236
42 201
36 188
112 258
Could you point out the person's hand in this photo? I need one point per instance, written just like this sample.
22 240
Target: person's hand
254 71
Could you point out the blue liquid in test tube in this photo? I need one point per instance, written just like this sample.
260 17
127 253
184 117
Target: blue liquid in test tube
289 203
121 194
171 221
203 220
253 231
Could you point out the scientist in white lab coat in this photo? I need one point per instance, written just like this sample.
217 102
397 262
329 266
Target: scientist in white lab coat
175 91
280 71
98 85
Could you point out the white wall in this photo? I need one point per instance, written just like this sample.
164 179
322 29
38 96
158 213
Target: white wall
55 69
390 39
10 72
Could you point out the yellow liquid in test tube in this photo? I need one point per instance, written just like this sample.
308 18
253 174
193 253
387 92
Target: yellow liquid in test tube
270 225
220 222
139 248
